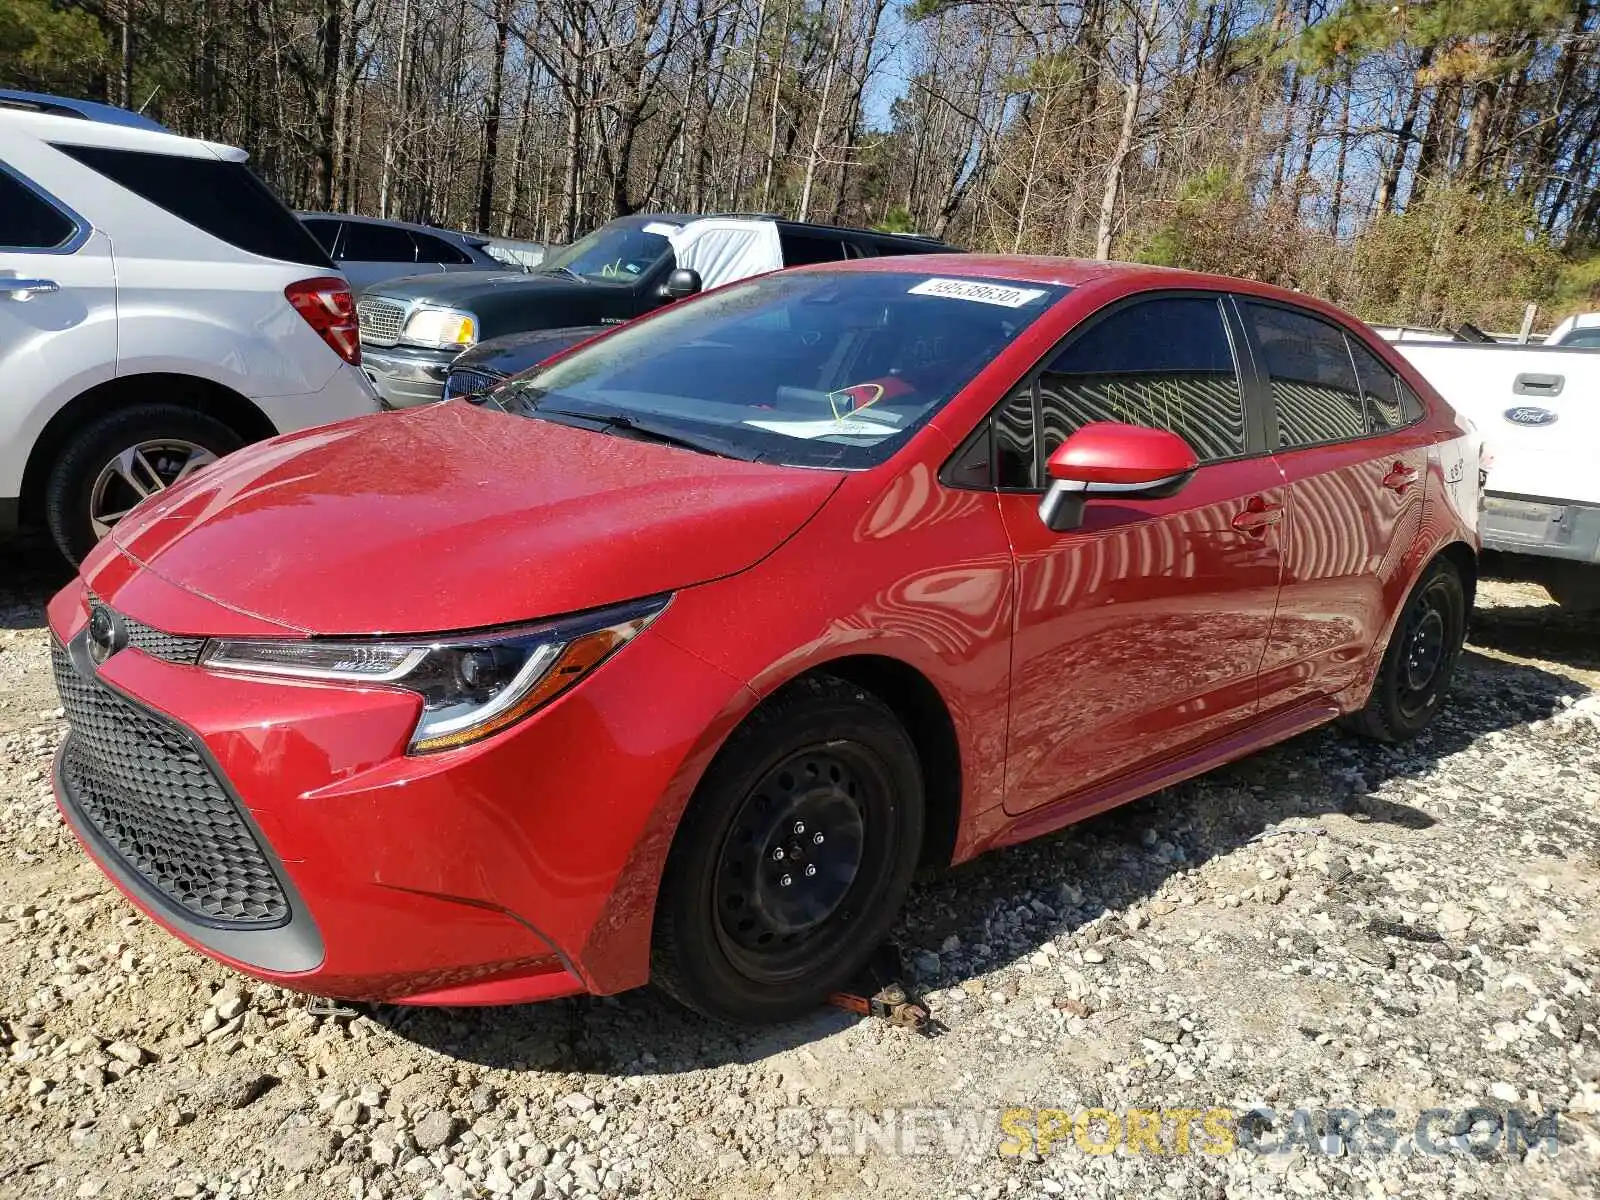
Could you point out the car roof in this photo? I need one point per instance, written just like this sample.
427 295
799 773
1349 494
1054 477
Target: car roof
1114 277
60 122
413 226
76 110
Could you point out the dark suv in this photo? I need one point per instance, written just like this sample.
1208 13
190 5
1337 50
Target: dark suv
412 329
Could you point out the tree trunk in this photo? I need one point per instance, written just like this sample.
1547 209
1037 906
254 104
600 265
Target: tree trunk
493 113
737 191
822 110
1404 135
1133 95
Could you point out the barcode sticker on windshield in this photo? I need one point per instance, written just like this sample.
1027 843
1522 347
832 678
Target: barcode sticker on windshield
981 293
844 427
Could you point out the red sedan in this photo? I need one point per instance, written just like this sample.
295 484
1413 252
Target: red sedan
672 660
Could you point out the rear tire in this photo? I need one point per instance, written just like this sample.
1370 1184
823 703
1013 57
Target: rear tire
793 858
1420 660
79 489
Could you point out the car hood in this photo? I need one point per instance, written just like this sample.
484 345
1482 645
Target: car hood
463 289
455 517
516 352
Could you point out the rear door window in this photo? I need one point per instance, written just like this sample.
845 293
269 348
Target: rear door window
801 249
224 199
377 243
28 221
436 250
324 229
1314 387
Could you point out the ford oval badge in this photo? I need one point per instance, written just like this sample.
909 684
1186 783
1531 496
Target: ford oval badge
1528 415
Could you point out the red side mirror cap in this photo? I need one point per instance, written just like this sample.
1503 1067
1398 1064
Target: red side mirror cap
1119 456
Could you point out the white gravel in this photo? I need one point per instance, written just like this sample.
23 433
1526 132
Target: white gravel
1327 925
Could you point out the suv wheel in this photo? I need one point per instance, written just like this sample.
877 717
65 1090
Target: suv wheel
793 858
121 458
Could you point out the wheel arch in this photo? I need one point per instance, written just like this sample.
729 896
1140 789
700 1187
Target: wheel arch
204 396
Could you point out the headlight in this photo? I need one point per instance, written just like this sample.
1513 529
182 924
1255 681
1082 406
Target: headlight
441 327
471 686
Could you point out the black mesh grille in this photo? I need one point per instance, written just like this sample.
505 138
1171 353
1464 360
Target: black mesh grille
470 382
169 646
146 790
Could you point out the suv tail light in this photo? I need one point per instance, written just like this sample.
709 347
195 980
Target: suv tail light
329 308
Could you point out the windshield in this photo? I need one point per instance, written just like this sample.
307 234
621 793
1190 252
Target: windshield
620 251
814 368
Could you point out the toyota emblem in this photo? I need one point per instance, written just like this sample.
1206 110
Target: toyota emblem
107 634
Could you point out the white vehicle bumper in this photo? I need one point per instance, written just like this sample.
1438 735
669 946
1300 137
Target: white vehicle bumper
348 394
1547 528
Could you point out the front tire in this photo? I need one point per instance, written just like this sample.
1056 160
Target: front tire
793 858
118 460
1420 660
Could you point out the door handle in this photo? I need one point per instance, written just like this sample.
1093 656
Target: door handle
1258 517
23 289
1538 385
1400 477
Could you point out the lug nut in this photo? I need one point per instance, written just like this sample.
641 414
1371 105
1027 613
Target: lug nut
811 870
799 826
786 881
816 839
777 854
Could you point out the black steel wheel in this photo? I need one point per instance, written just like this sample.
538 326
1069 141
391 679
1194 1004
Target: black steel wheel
793 858
1421 657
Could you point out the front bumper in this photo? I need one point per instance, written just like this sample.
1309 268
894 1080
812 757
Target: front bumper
405 377
517 869
1541 527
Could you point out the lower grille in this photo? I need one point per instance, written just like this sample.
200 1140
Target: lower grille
380 321
148 792
469 383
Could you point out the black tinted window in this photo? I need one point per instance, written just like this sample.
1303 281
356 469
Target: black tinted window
1313 384
225 199
1164 364
1378 386
802 248
324 230
377 243
27 220
437 250
1411 407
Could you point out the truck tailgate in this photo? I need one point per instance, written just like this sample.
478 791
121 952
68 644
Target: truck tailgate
1538 410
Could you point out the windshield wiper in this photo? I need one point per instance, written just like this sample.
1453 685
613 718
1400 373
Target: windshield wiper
568 271
629 426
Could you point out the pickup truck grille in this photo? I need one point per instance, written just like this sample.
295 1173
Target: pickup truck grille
380 321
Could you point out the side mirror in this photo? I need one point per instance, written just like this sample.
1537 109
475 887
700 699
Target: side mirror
680 285
1107 458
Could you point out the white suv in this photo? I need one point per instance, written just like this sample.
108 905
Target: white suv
159 307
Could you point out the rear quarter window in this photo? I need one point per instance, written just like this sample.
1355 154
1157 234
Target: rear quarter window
224 199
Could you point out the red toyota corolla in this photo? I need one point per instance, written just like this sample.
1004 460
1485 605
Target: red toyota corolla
673 660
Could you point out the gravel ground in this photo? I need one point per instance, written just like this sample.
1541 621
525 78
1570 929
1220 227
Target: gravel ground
1328 925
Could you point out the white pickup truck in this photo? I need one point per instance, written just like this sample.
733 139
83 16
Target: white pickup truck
1538 409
